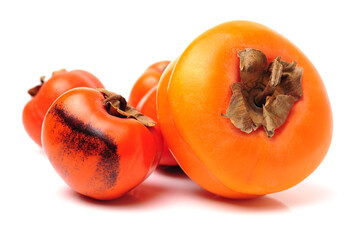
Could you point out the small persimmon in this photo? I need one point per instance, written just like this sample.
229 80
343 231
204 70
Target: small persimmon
45 94
146 82
98 144
143 96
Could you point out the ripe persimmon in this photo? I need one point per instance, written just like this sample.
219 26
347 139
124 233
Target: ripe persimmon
146 82
143 96
45 94
99 145
244 111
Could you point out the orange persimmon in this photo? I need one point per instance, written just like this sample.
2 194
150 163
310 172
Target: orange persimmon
196 98
47 92
146 82
143 96
99 145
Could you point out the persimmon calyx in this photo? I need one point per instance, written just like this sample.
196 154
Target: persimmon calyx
117 106
266 94
33 91
60 71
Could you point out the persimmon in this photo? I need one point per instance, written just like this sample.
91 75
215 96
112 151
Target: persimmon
146 82
45 94
244 111
99 145
143 96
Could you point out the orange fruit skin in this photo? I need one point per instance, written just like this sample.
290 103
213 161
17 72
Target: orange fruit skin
146 82
147 106
60 82
143 98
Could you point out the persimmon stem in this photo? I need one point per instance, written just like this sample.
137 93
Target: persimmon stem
273 79
121 102
33 91
260 99
117 106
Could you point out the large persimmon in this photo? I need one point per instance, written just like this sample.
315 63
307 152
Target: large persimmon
244 111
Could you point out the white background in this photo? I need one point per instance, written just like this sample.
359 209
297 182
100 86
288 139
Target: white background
116 41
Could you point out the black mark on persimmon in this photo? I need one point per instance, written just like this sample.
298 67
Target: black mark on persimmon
77 136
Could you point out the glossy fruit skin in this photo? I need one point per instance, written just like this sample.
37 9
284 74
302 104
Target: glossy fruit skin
147 106
60 82
146 82
143 95
211 151
98 155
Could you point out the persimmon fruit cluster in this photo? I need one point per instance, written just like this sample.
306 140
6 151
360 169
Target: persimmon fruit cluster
242 111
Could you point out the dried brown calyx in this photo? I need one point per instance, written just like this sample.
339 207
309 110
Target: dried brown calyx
266 94
33 91
117 106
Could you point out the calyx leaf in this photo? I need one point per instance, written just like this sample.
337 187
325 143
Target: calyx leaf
117 106
265 95
34 90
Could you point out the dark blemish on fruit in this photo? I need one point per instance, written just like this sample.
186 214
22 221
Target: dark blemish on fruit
77 136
